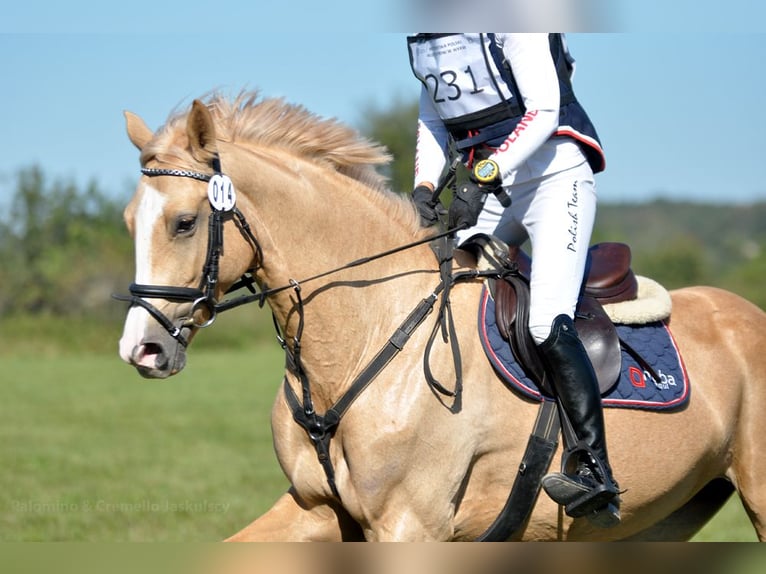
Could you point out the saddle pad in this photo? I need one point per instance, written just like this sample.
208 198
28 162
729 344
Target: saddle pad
636 388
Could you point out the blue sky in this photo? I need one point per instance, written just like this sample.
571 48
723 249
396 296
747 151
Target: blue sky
674 88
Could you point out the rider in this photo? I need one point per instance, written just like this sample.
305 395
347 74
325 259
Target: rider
505 103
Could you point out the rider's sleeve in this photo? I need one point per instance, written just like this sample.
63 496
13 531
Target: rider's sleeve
535 74
432 142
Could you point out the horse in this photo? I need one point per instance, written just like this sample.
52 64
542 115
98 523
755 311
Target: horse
303 210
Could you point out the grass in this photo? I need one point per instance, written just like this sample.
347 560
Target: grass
92 452
731 524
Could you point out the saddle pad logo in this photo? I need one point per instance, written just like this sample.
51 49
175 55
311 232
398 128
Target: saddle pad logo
636 389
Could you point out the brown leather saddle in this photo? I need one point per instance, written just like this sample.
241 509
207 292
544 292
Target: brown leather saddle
608 279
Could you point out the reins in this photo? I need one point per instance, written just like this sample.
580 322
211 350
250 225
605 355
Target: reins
261 296
204 298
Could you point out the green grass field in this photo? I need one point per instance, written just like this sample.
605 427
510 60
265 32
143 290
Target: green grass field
92 452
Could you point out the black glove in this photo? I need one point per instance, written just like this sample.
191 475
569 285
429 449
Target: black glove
428 209
466 205
486 173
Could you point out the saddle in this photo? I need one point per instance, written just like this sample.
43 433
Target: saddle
608 279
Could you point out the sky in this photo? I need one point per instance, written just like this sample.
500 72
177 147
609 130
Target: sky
675 88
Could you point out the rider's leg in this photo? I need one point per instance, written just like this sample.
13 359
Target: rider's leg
559 216
585 486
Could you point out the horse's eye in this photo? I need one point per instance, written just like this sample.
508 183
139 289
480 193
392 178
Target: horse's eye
185 225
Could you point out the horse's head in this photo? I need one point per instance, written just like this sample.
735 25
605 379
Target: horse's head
179 229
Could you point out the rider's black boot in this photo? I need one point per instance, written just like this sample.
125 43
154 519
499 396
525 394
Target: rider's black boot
585 486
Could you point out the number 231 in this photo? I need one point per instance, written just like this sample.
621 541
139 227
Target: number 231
447 82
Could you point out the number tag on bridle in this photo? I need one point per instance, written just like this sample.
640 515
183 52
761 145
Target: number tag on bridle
220 191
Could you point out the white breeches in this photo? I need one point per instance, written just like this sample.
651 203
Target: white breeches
556 213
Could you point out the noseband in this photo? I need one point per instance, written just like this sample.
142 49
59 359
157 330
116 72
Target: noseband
222 198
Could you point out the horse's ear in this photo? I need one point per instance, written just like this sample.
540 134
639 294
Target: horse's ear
138 132
201 132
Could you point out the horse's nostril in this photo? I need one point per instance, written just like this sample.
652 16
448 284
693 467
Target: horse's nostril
150 355
158 352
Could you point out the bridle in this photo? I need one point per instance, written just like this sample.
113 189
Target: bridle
222 199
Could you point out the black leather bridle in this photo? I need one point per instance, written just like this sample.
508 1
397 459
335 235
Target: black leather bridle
203 298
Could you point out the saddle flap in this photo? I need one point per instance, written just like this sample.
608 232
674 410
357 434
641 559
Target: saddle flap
597 333
601 341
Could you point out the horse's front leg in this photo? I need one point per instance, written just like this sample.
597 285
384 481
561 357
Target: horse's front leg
290 520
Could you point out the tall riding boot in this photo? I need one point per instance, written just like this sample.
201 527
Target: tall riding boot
585 486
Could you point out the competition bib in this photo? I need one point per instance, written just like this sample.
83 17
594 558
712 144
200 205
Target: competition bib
459 72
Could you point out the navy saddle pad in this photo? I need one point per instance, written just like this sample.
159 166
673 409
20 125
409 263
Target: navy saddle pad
636 387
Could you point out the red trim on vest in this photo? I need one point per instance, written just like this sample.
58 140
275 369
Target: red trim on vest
590 142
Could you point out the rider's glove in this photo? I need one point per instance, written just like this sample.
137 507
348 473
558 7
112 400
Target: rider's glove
427 208
466 205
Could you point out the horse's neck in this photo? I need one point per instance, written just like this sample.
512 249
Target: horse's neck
313 216
311 221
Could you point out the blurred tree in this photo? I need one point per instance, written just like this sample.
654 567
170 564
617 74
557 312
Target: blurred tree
749 277
677 264
64 251
396 128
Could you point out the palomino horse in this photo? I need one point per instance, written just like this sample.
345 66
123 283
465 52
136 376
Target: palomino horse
405 462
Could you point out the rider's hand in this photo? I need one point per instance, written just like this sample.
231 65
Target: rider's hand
466 205
428 209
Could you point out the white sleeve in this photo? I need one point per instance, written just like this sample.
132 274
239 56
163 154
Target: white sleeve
432 142
533 69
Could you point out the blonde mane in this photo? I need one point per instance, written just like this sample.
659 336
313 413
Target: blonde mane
273 122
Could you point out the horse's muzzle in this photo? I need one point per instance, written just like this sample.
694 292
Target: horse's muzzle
155 360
